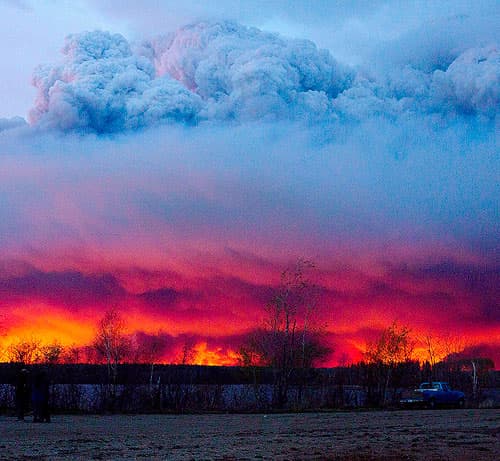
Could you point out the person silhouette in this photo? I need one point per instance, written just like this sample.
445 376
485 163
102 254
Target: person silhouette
40 398
21 389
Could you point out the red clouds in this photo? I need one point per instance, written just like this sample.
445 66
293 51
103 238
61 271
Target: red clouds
212 310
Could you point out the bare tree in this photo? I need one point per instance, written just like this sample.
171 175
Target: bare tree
394 346
31 350
72 354
442 350
111 343
453 345
52 353
188 351
434 349
291 337
27 351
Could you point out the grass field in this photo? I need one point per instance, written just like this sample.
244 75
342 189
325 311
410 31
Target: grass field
398 435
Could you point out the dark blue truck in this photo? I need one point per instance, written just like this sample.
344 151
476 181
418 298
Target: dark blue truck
432 395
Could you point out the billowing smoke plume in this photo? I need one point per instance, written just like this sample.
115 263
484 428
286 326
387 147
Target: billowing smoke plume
469 86
244 73
102 86
225 71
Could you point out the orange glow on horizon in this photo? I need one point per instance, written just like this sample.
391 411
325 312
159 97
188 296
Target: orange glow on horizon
69 330
48 325
214 310
214 357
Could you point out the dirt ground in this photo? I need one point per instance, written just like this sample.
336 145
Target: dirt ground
362 436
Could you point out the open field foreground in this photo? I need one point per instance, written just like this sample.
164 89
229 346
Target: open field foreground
363 436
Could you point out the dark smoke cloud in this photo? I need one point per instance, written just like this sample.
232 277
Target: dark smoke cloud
70 289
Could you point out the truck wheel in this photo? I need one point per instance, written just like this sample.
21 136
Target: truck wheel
461 403
432 404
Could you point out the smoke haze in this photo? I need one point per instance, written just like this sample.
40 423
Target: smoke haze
176 176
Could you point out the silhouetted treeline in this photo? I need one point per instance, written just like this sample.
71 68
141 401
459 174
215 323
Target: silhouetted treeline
140 374
188 388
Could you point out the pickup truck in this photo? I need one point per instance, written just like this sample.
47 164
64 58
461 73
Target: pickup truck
433 394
